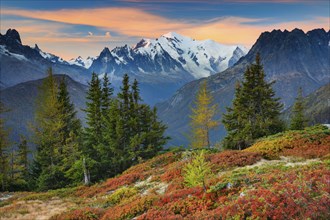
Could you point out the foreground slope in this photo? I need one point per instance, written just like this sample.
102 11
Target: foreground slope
244 184
294 59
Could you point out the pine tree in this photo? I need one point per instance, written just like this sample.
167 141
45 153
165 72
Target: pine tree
22 165
104 149
93 131
107 92
71 152
123 122
48 136
67 109
132 129
92 137
202 118
4 151
255 112
298 119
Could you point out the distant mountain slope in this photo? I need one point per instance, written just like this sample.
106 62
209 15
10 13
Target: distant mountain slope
20 99
317 106
294 59
20 63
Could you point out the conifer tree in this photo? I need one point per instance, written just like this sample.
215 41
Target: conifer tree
4 151
71 152
132 129
92 137
48 136
22 164
71 122
202 118
255 111
298 119
107 92
93 131
96 150
105 149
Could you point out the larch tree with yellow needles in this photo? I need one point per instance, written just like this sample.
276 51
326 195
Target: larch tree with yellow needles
202 116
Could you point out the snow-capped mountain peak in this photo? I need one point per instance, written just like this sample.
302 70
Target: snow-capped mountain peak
51 57
171 55
80 61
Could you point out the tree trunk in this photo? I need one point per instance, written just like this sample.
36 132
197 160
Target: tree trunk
86 173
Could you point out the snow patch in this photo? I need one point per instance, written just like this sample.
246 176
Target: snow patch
3 50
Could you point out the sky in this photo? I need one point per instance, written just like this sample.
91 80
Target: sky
69 28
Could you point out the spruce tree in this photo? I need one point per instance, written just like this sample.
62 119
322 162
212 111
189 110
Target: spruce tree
71 144
202 118
71 122
93 131
132 130
22 164
123 121
96 151
298 119
105 149
255 111
107 92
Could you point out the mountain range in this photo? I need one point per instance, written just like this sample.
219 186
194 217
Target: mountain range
161 65
293 59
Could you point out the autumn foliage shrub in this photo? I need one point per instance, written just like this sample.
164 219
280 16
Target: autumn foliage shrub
233 158
130 209
110 184
85 213
122 194
309 143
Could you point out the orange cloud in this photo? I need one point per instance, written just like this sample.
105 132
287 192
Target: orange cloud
138 23
131 22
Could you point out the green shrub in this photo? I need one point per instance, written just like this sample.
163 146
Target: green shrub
122 194
195 172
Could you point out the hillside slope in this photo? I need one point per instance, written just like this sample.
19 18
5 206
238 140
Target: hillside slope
243 184
20 100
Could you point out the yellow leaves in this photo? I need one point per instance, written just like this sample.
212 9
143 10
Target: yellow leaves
202 118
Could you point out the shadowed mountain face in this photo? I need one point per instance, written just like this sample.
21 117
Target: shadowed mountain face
294 59
21 98
20 63
317 106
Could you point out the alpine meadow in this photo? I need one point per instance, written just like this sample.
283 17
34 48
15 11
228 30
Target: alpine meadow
164 110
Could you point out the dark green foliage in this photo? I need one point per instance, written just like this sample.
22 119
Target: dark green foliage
4 152
92 137
132 129
107 92
93 132
298 119
255 111
71 122
56 136
20 166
